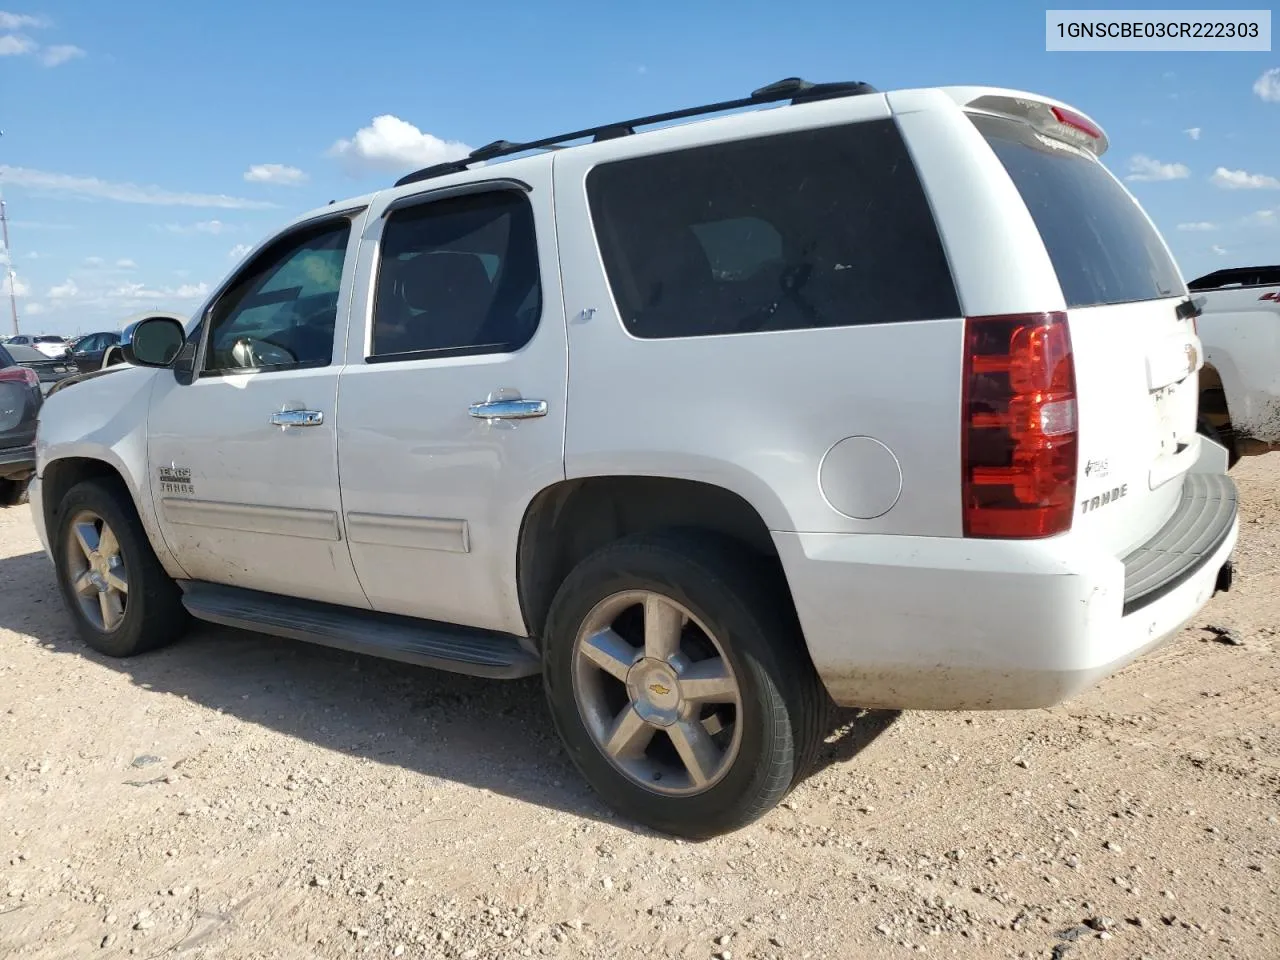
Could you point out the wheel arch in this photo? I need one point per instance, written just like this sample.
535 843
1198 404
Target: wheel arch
60 474
568 520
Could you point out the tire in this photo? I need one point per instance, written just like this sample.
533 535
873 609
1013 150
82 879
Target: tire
730 604
150 614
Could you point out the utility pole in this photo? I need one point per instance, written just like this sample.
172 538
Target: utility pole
8 265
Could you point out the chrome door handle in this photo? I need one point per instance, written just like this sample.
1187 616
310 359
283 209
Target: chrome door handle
508 409
297 418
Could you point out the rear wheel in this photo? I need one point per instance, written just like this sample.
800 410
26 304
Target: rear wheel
120 598
678 679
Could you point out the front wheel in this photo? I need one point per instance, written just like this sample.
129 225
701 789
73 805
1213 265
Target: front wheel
678 679
120 598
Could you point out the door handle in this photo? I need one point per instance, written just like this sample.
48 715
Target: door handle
297 418
508 409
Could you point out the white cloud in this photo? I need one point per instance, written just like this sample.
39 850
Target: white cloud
15 45
65 184
1193 132
41 225
1144 168
94 261
1267 218
238 251
1242 180
211 227
1220 251
33 255
16 21
34 309
126 264
131 292
64 291
1267 86
20 287
275 173
1198 226
59 54
392 144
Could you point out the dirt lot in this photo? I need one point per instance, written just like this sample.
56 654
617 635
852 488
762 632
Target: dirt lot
241 796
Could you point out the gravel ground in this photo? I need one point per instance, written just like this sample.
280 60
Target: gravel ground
240 796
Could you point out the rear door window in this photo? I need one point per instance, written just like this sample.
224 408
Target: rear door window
1103 248
827 227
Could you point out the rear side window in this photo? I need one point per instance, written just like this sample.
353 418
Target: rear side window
1102 247
819 228
5 359
457 276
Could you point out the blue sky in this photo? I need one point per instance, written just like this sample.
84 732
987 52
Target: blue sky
146 141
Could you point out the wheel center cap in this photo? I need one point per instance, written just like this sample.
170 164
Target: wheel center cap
655 689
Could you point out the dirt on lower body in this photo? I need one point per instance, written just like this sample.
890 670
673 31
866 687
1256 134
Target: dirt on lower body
240 796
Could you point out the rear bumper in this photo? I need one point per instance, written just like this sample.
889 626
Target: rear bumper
954 624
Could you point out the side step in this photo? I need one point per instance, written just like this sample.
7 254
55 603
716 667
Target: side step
442 646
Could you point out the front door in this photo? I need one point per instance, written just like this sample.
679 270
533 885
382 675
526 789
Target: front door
452 398
243 454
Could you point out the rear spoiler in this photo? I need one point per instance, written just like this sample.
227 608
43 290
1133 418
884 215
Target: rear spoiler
1051 118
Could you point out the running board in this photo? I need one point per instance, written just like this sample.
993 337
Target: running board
442 646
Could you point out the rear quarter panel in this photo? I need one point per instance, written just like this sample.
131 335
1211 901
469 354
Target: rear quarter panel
755 413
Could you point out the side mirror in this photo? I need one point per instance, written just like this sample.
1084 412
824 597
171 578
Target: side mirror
152 341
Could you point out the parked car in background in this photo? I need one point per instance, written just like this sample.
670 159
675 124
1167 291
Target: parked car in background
50 344
928 439
20 401
1239 326
87 352
48 370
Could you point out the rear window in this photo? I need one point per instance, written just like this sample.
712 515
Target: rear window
819 228
1102 247
49 340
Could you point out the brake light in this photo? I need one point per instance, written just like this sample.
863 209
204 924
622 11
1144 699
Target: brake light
1019 429
1077 122
17 374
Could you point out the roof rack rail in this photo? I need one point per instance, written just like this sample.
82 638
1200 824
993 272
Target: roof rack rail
792 88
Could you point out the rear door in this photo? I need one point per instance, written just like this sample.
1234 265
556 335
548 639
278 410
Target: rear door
1136 354
452 401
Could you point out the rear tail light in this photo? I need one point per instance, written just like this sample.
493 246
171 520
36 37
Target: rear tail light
1019 430
17 374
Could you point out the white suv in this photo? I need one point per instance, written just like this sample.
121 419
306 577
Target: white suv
881 399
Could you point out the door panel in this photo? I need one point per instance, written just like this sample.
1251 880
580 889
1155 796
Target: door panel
242 499
466 313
